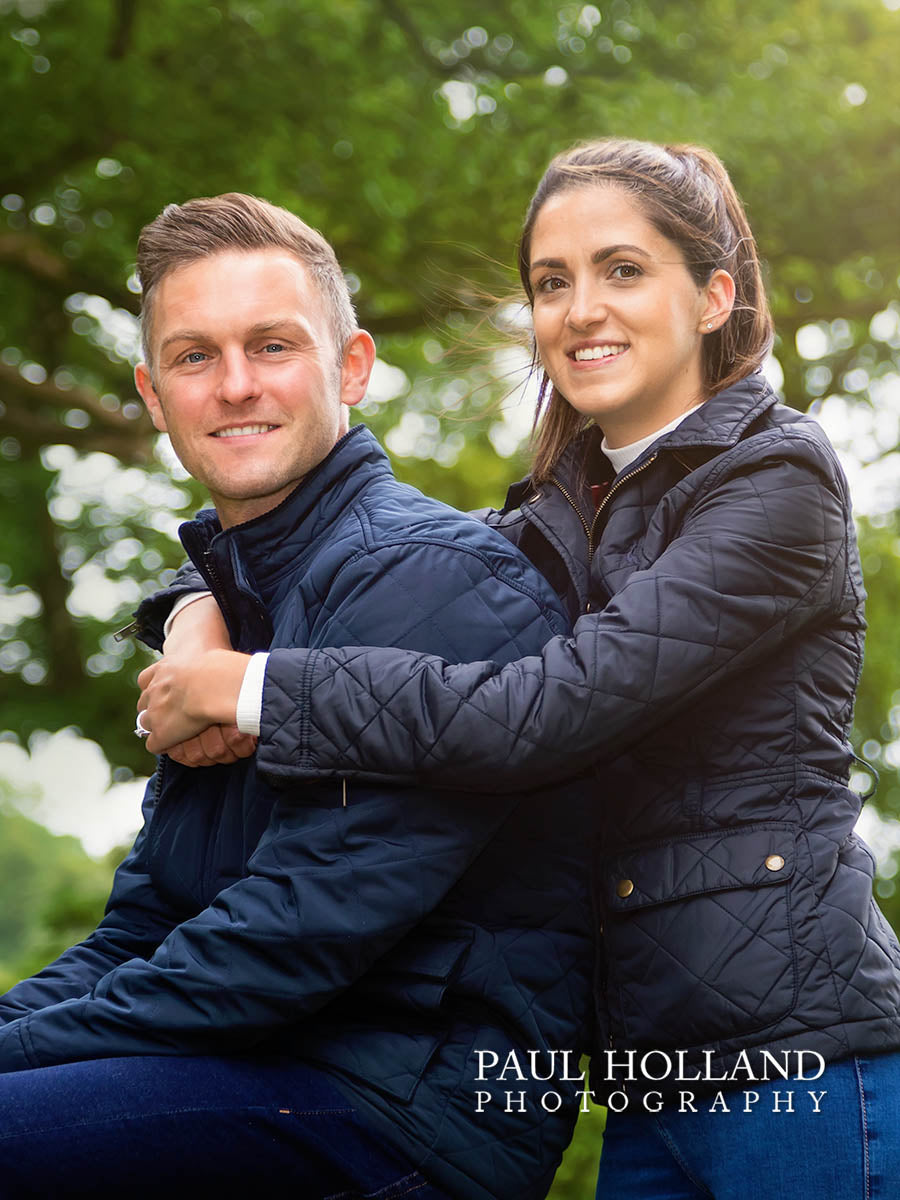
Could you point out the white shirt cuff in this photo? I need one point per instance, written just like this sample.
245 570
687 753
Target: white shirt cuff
180 603
250 697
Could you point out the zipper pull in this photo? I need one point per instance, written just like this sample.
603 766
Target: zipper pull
128 631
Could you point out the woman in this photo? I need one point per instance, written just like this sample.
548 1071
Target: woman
701 535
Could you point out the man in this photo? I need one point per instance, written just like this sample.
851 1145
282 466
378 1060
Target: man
344 990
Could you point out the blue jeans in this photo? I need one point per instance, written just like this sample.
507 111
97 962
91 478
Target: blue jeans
171 1127
848 1150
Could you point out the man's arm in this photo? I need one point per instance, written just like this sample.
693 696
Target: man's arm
329 890
136 921
762 555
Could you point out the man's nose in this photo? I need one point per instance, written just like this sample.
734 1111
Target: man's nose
237 379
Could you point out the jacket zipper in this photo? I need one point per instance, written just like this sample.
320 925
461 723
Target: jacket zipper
589 529
578 513
218 590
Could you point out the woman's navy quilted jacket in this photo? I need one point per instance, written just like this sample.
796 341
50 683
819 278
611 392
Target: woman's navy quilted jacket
709 687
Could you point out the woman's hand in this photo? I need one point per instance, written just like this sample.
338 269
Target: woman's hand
196 628
182 697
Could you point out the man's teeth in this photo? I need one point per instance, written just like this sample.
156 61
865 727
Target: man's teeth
599 352
243 430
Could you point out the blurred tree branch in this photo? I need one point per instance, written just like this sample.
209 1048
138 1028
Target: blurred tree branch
120 41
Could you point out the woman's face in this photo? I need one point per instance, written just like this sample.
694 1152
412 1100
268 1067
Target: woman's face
618 319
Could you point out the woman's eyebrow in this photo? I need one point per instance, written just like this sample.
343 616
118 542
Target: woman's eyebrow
597 257
621 248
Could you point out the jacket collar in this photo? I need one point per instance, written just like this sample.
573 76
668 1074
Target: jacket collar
724 419
242 564
565 511
271 541
717 425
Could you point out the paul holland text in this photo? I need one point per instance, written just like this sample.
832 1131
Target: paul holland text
648 1068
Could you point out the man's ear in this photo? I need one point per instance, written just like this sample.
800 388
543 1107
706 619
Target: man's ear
359 358
143 381
719 301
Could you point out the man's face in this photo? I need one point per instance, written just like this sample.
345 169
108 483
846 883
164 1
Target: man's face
247 379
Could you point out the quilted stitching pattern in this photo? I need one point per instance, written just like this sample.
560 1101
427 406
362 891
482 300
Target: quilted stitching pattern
386 939
713 691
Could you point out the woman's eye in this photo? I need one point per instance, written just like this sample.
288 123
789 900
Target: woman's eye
626 270
552 283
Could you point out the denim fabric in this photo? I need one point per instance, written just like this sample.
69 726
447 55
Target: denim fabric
170 1127
849 1150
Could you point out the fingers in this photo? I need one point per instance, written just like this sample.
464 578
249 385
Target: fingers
242 745
214 746
146 676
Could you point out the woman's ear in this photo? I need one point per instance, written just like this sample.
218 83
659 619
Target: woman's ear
719 301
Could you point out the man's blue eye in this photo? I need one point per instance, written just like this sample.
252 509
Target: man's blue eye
195 356
273 346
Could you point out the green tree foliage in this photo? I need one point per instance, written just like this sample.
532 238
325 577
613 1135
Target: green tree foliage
51 893
412 134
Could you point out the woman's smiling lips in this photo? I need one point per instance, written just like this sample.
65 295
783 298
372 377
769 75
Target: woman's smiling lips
598 352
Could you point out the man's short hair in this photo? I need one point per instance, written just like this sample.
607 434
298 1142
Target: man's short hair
185 233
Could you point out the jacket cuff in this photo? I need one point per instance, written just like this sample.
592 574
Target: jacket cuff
284 745
14 1055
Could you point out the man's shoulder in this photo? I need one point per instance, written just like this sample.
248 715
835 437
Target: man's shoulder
402 569
375 509
392 511
394 514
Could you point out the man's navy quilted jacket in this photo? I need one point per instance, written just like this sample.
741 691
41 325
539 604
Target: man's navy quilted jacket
711 685
382 932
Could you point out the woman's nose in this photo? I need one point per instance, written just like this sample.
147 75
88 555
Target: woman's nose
586 306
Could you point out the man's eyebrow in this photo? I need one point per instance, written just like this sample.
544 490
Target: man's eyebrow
263 327
182 335
287 323
597 257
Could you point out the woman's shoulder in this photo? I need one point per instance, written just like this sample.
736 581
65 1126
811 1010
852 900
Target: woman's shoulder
797 440
750 424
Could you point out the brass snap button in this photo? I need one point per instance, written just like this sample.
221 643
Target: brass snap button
774 862
624 888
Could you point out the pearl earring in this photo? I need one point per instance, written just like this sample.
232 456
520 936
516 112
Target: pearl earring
709 324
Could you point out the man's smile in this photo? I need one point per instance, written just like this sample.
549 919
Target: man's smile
243 430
